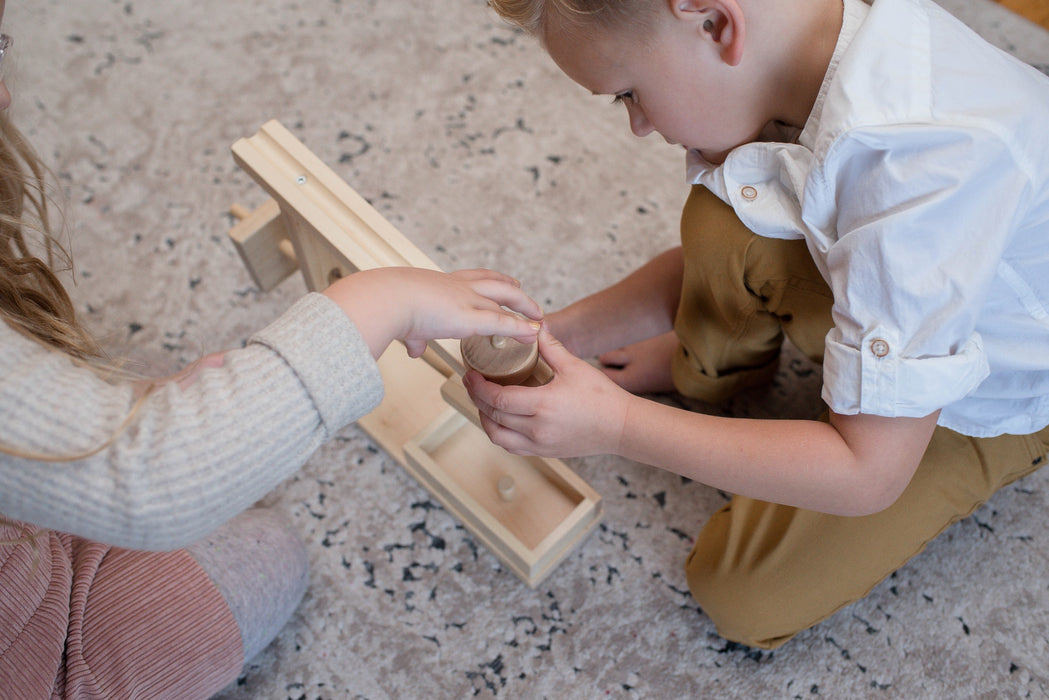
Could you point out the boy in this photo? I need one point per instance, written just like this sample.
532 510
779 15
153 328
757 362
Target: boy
871 181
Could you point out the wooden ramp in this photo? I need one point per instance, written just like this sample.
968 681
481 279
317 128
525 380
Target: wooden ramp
531 512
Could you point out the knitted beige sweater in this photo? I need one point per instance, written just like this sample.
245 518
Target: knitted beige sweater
192 458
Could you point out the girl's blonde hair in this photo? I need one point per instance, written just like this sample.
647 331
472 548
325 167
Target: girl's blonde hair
33 300
532 15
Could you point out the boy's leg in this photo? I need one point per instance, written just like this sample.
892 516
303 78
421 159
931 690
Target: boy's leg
178 624
764 572
740 294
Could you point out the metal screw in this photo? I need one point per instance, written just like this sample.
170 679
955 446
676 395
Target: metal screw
300 180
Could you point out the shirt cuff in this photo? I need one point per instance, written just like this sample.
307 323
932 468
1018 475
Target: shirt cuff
328 354
876 379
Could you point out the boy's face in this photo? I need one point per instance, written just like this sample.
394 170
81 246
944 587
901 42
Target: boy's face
672 82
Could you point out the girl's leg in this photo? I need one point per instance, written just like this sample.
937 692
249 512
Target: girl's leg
179 624
259 565
145 624
764 572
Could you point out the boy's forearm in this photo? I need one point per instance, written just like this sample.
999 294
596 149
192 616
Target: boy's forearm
638 307
855 465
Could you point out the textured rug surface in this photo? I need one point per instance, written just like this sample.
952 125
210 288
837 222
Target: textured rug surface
468 139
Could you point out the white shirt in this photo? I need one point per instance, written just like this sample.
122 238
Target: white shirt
921 184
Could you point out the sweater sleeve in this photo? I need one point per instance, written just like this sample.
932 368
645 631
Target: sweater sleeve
188 459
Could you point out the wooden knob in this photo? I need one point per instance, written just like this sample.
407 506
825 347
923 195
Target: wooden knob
502 360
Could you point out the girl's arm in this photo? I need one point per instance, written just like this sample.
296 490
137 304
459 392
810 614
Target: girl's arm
93 458
416 305
854 465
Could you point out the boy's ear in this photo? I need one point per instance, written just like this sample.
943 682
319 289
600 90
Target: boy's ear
722 21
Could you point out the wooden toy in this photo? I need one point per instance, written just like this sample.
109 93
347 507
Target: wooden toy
506 361
530 512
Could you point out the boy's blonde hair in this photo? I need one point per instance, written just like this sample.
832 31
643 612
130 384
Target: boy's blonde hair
532 15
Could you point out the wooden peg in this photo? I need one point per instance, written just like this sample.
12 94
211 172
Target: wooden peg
506 488
506 361
239 211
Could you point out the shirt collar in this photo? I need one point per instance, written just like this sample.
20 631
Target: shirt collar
853 14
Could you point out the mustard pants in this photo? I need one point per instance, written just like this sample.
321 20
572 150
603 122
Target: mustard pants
764 572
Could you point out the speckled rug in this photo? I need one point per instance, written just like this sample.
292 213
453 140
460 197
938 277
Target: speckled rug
468 139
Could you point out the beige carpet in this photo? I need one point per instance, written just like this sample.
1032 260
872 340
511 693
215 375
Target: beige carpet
468 139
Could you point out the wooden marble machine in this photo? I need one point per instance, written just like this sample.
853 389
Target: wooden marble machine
530 512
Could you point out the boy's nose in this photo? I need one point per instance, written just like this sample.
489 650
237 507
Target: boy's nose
639 123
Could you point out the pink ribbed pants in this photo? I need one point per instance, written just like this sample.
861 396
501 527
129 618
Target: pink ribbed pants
80 619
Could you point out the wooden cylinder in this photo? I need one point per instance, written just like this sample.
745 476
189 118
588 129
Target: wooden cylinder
506 361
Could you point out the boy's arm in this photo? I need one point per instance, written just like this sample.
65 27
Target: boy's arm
639 307
854 465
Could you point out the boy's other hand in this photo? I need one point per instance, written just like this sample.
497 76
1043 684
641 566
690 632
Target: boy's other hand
580 412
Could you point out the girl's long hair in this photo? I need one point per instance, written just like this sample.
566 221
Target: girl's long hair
33 300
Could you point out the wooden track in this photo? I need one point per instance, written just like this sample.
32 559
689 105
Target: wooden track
531 512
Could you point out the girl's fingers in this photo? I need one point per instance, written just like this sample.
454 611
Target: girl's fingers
415 347
481 273
510 296
502 323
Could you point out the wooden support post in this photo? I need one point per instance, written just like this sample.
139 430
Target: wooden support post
262 241
530 512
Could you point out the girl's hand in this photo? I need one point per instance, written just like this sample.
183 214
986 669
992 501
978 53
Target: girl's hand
580 412
417 305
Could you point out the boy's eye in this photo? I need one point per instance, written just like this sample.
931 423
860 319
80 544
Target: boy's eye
628 95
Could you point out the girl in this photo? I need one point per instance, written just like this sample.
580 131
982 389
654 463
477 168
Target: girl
98 475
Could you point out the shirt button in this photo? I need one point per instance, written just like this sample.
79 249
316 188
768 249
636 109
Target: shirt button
879 347
749 193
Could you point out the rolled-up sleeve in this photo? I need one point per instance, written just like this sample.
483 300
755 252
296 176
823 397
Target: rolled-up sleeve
922 219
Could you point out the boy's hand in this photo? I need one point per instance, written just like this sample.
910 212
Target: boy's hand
417 305
580 412
643 367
